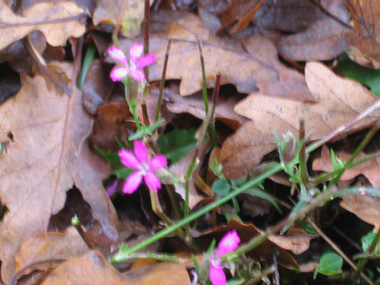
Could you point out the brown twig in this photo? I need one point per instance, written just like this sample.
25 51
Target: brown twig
339 251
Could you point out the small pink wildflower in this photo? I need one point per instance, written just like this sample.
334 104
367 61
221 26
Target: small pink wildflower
133 67
228 244
144 167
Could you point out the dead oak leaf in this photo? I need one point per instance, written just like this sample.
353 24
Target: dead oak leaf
287 16
57 21
369 169
48 153
133 15
366 17
48 246
243 64
338 101
322 40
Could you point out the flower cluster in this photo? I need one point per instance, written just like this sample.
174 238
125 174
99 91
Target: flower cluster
133 67
145 168
228 244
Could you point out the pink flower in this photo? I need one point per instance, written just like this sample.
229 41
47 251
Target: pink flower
135 64
228 244
144 168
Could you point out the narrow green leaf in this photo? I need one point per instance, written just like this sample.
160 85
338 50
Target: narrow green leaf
177 144
367 76
263 195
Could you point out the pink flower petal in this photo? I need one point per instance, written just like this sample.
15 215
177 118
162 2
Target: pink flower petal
152 181
217 276
138 75
118 73
146 60
140 151
136 51
117 54
228 243
129 159
133 182
158 162
112 189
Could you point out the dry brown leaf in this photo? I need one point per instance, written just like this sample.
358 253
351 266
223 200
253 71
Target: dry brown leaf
194 105
91 268
322 40
49 246
57 21
369 169
222 54
338 101
366 208
47 155
366 16
107 12
164 273
241 11
286 15
295 240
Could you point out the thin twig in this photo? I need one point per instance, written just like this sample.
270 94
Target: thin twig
339 251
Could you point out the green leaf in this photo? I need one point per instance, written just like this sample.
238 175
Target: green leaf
330 264
221 187
263 195
367 241
118 169
177 144
367 76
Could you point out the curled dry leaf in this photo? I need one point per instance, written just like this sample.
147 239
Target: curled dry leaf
133 15
48 153
90 268
369 169
57 21
322 40
295 240
194 105
241 11
289 16
366 208
338 101
48 246
240 64
365 37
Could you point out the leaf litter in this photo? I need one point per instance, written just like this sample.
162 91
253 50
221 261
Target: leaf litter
265 52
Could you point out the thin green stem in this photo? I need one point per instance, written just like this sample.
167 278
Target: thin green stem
214 100
162 82
370 250
169 230
203 74
303 158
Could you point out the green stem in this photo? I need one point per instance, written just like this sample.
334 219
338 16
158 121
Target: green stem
169 230
162 82
129 102
370 250
203 74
